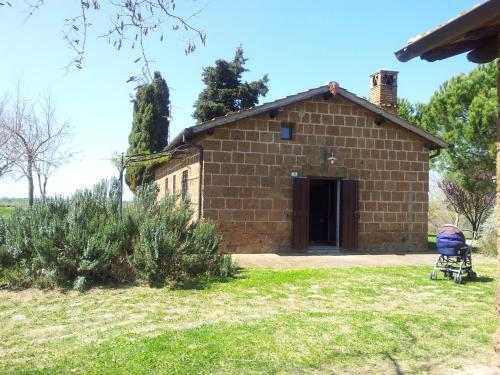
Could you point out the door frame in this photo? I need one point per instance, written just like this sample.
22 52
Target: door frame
348 220
338 198
296 207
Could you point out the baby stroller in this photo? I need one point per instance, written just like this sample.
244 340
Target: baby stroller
455 258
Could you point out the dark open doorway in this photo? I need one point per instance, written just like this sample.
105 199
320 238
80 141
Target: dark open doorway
324 212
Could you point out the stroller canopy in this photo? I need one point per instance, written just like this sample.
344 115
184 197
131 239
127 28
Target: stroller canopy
450 236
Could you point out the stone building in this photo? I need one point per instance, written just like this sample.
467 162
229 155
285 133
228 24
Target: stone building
320 168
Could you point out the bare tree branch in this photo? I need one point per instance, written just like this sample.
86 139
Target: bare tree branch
8 154
131 22
473 205
41 142
55 150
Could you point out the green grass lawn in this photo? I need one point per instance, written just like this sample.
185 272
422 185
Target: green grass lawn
349 320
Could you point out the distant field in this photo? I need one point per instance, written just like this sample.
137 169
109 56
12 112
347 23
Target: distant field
13 202
7 205
5 211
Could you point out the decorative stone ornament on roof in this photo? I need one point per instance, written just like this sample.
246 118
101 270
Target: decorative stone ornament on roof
333 87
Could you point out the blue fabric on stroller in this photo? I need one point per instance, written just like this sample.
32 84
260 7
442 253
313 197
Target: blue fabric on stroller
455 258
451 243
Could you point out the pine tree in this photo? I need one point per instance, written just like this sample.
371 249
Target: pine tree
464 113
225 92
150 128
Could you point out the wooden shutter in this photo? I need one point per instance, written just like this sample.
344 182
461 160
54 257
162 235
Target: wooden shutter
300 234
350 214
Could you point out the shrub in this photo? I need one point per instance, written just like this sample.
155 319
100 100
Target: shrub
66 241
488 244
171 247
488 236
84 240
6 259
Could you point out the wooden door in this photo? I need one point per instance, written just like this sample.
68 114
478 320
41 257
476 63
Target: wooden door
350 214
300 236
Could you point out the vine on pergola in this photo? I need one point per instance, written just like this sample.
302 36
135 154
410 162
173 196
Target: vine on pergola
147 160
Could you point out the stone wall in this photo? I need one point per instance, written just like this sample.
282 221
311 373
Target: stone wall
164 176
248 183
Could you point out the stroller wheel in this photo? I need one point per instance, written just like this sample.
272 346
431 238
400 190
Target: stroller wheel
458 278
472 275
433 275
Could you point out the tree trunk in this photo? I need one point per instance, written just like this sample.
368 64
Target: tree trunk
497 338
475 231
42 183
44 187
31 184
40 187
31 191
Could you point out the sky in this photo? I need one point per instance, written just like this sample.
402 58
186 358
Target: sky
299 44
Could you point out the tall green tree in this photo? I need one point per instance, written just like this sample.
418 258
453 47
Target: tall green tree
410 112
150 128
463 112
225 91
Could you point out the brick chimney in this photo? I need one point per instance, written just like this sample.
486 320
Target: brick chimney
384 89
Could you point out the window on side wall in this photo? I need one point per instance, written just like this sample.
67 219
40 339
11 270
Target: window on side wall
184 184
286 131
166 186
173 184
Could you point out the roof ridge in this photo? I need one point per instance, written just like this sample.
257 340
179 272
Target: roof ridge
294 98
259 105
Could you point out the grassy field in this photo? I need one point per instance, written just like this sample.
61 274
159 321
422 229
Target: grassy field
13 201
7 205
5 211
351 320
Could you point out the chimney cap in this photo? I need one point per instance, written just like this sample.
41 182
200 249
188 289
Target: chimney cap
384 70
383 89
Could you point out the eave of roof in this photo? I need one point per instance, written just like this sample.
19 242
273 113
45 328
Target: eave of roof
191 132
452 32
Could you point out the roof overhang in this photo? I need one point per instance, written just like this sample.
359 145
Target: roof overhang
189 133
474 31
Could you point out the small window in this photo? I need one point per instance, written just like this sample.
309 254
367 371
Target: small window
184 184
173 184
286 132
166 186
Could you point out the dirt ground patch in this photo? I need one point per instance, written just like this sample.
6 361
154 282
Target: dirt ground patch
337 260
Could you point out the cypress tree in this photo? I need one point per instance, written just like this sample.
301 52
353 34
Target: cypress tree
150 128
225 92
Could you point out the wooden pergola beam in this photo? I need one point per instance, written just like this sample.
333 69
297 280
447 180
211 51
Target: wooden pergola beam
484 53
449 50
